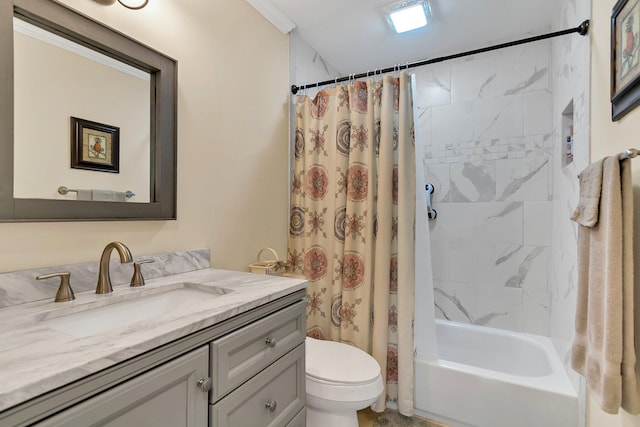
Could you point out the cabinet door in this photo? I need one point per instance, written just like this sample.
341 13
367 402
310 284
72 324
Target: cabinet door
164 396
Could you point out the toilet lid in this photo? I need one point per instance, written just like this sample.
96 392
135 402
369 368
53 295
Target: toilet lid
338 362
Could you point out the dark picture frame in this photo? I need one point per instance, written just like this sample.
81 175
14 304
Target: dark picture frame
625 57
95 146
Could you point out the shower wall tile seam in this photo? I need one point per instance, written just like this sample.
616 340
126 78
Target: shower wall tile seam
487 150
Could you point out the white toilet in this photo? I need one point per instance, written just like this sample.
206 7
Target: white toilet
341 379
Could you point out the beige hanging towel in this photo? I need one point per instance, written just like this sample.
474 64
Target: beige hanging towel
603 350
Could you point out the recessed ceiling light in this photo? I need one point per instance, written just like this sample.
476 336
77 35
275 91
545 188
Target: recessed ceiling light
408 15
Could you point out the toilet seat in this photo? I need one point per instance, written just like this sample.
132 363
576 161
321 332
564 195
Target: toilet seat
340 372
339 363
344 393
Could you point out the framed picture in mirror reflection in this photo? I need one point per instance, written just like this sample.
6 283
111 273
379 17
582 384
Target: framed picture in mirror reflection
94 146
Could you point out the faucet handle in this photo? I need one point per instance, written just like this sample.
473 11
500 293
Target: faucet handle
138 279
65 293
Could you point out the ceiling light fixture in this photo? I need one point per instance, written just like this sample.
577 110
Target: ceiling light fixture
408 15
133 4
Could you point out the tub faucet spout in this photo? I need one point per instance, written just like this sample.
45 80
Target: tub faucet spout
104 280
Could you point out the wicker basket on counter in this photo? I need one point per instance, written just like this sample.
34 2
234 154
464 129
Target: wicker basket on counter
270 266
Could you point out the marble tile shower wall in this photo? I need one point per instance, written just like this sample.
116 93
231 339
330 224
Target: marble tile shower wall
307 66
486 122
570 79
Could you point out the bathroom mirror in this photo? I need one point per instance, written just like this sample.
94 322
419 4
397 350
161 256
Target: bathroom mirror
150 166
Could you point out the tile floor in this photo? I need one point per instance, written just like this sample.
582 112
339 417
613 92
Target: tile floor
391 418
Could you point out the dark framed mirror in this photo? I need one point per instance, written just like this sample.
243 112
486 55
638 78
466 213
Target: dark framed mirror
157 125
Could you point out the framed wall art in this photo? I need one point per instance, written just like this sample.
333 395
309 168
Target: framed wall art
625 57
95 146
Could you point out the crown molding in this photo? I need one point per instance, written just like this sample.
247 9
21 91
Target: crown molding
273 15
48 37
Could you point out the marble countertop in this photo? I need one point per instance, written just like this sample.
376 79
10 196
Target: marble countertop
35 359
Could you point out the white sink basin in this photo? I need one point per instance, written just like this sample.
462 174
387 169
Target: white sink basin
116 311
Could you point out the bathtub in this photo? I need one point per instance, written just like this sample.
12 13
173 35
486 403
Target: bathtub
488 377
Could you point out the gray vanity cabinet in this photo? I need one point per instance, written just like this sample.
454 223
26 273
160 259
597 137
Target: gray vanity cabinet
272 398
165 396
258 372
246 371
240 355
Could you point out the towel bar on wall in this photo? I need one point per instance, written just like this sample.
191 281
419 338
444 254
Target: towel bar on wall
64 190
629 153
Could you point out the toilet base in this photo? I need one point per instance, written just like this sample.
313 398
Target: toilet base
347 418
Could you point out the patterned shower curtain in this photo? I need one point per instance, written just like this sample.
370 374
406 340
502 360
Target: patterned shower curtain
352 222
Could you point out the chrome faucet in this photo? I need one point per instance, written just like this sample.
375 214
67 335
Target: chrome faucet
104 280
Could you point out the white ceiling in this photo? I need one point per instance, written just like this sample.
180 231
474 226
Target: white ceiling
353 35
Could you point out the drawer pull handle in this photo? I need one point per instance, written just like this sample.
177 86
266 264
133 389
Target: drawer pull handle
271 406
204 384
271 342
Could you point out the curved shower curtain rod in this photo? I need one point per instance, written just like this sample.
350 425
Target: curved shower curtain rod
581 29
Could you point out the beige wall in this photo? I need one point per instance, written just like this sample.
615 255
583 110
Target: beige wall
232 141
609 138
87 89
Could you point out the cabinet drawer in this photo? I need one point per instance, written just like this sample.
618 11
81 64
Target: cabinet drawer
167 395
240 355
270 399
300 420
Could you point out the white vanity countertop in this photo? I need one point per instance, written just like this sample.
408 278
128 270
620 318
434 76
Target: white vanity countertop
35 359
